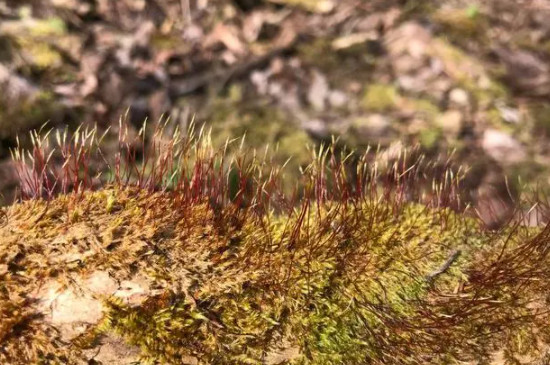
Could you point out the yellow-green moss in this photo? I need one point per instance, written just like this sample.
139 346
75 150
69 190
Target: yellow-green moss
461 23
26 114
229 270
341 290
380 98
429 138
263 126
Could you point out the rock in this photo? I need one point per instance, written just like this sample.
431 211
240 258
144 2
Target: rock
74 309
410 38
318 91
459 97
502 147
337 99
134 292
450 122
260 80
316 128
372 126
526 71
282 356
113 350
508 114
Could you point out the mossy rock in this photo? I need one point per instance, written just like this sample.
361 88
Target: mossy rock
210 295
32 37
349 273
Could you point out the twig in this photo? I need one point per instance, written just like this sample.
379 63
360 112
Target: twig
446 265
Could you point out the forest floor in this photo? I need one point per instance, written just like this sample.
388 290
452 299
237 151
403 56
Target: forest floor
464 75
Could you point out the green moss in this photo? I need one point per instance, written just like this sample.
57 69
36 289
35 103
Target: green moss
161 41
461 23
319 53
540 114
263 126
424 108
429 138
48 27
332 326
380 98
335 277
27 113
40 54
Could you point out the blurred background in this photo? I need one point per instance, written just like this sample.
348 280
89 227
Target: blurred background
473 76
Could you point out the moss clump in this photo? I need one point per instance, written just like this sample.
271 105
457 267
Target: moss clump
26 114
380 98
263 127
33 39
461 23
430 137
220 299
350 273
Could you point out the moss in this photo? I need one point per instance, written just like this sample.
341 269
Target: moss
423 108
263 126
429 138
237 310
461 23
349 273
41 55
161 41
48 27
319 53
27 114
540 113
380 98
238 297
